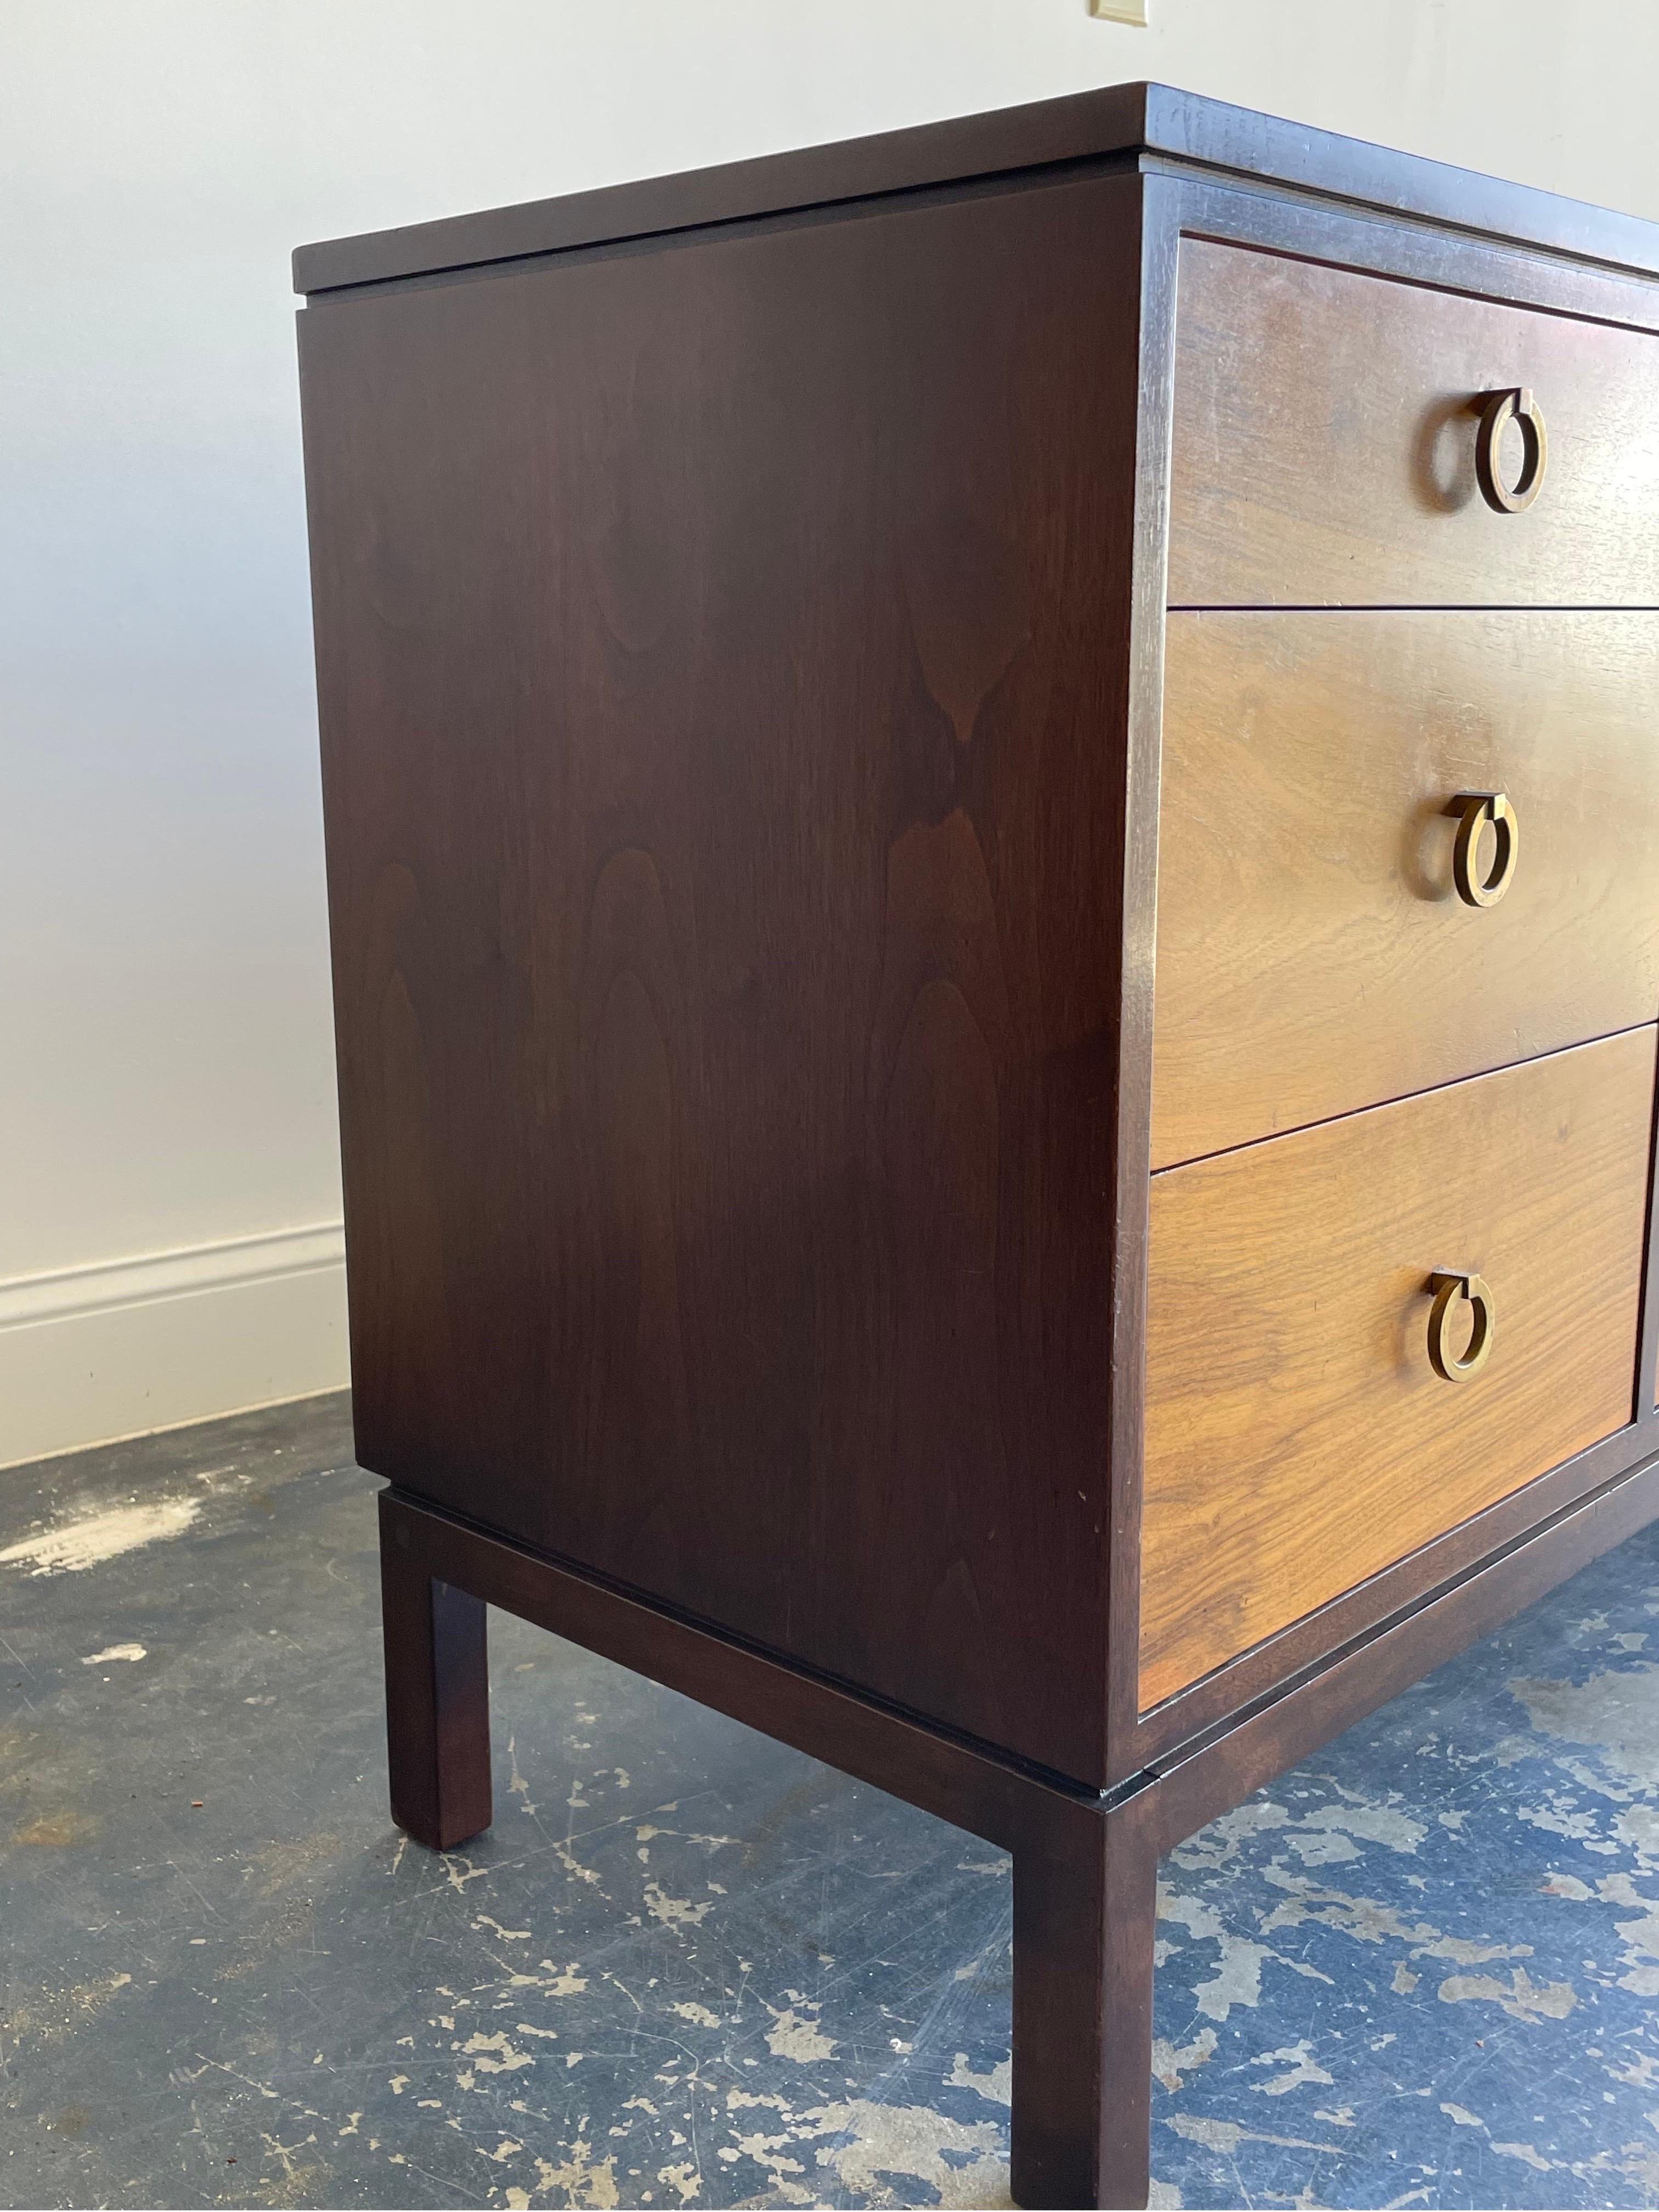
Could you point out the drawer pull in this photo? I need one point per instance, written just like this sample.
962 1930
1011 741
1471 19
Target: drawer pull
1474 809
1451 1293
1498 411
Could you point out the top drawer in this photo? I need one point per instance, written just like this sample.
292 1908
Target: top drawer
1326 429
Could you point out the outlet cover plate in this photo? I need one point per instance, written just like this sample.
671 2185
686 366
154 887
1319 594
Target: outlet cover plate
1121 11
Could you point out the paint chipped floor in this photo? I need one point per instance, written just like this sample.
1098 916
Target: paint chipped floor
688 1966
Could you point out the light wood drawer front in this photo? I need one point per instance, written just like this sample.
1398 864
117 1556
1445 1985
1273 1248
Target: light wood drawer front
1297 1439
1324 445
1314 955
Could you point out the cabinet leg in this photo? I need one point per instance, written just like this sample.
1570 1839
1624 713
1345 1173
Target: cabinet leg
1085 1908
437 1696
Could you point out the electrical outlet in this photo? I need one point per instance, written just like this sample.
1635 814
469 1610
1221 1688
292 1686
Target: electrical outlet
1121 11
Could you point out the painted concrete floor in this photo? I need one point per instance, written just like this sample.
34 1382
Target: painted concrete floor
688 1966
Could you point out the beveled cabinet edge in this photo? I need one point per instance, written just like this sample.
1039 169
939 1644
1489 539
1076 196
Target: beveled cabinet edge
1157 125
1177 206
1143 760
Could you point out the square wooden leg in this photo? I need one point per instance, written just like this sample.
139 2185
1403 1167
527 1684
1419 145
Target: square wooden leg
437 1696
1086 1891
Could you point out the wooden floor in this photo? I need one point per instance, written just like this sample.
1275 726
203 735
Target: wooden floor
688 1966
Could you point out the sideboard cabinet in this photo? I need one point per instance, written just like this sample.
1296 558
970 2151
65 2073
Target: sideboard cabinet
991 804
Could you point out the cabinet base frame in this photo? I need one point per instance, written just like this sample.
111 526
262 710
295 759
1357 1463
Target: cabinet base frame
1085 1862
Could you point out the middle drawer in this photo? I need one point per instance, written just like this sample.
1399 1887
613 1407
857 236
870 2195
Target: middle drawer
1314 953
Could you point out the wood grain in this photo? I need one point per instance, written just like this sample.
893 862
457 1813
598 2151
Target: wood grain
714 647
1208 1777
1297 1439
1324 445
1084 1925
1313 955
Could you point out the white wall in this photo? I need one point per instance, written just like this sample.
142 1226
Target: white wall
169 1199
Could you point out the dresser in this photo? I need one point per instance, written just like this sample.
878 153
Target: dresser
990 803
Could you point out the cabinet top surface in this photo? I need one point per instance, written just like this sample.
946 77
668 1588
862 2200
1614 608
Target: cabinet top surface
1151 125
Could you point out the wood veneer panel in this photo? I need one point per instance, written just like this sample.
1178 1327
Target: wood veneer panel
1297 1439
1324 445
1313 954
723 669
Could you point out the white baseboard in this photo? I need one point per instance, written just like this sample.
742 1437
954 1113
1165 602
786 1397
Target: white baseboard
95 1353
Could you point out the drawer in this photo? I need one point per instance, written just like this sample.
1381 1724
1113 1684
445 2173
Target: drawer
1325 435
1314 954
1298 1436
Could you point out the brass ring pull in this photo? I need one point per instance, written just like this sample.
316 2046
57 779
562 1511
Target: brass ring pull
1499 409
1455 1291
1474 809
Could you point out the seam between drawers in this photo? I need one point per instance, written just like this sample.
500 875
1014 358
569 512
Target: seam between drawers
1401 1097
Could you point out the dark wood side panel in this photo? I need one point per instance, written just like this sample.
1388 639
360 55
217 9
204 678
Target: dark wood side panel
722 662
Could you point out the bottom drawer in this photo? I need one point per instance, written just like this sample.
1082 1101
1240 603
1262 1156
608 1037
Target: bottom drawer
1297 1435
